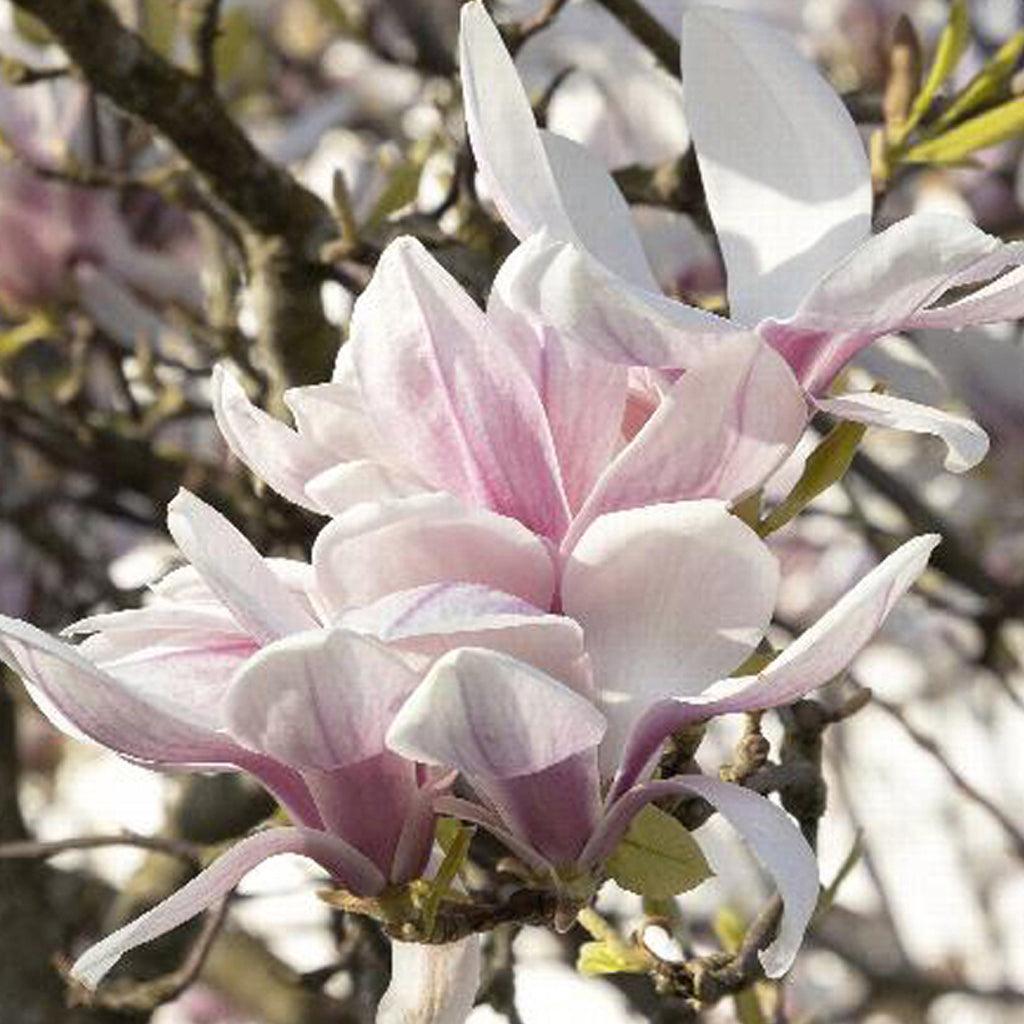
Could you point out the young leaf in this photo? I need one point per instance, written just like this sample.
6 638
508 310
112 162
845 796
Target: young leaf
658 857
952 44
600 958
825 466
989 129
989 84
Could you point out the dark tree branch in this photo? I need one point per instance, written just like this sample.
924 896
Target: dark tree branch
646 29
284 225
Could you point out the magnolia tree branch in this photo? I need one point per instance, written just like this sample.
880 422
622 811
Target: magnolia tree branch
641 24
283 224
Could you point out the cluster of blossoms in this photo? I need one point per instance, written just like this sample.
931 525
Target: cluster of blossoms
532 575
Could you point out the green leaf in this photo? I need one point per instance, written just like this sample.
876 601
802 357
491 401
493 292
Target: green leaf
989 84
454 857
952 44
600 958
658 857
14 339
826 465
401 189
989 129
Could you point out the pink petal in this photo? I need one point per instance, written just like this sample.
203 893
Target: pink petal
234 571
322 699
773 838
783 166
583 396
349 483
344 863
966 442
431 984
671 598
450 395
492 716
375 550
720 432
69 689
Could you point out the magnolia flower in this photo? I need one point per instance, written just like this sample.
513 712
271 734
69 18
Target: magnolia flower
529 745
788 186
229 668
75 242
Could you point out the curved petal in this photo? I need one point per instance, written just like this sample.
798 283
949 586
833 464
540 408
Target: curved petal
816 657
720 432
234 571
597 211
319 700
670 597
268 447
337 489
375 550
491 716
997 302
344 863
450 395
503 133
431 620
966 442
784 170
568 289
431 984
72 691
774 839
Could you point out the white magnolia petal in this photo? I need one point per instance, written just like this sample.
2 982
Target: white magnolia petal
344 863
431 984
966 442
503 132
339 488
234 570
268 447
772 837
568 289
597 211
1001 300
492 716
321 700
783 166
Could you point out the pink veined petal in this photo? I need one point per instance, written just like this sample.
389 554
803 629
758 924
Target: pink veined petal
569 290
492 716
503 133
720 432
338 858
597 211
772 837
670 598
336 418
268 447
818 655
70 690
449 394
322 699
375 550
583 395
431 620
234 570
431 984
966 442
783 166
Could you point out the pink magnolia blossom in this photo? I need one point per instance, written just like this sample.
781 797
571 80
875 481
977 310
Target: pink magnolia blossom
529 746
788 186
230 668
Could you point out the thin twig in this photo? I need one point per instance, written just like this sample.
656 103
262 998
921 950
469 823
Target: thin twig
43 850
